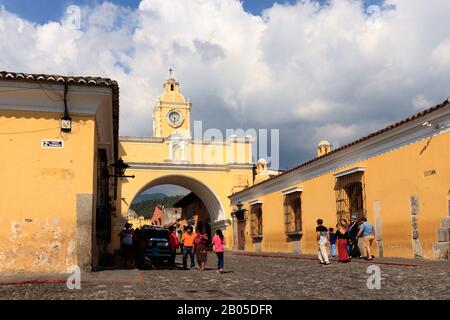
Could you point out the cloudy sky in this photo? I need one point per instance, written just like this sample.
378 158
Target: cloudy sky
331 70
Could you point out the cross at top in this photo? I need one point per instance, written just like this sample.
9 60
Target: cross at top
170 72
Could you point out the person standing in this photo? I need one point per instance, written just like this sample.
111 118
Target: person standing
323 238
353 249
333 253
174 244
137 248
218 242
201 251
342 237
188 246
126 244
367 231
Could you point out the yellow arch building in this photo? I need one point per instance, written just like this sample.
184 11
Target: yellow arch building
211 169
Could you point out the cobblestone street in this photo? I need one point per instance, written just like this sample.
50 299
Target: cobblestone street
247 277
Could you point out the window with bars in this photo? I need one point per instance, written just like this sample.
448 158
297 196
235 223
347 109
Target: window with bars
256 222
350 197
103 213
292 213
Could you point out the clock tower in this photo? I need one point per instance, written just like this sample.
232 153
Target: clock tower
171 114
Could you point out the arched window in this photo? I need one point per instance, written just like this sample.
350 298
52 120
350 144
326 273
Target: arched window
172 88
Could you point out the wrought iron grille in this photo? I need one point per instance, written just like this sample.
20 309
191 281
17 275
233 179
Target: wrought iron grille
256 224
103 214
350 196
292 213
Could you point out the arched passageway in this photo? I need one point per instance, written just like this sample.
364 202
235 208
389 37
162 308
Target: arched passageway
210 200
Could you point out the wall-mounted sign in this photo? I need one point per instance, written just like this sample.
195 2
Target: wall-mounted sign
52 144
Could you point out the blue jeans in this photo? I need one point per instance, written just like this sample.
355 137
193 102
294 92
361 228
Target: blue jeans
333 251
188 252
219 260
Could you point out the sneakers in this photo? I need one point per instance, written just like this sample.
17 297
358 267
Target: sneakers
326 264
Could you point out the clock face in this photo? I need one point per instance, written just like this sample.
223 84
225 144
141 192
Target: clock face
175 118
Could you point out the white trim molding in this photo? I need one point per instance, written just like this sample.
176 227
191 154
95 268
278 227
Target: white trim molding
350 171
187 166
292 190
254 202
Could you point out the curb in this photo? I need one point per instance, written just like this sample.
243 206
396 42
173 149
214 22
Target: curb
262 255
36 281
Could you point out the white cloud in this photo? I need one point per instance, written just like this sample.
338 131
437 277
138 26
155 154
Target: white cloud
420 102
323 72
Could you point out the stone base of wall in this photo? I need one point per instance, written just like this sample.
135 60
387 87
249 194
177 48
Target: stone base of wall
441 248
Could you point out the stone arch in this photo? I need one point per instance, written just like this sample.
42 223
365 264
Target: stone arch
208 197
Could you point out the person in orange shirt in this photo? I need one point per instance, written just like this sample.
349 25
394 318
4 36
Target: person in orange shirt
188 246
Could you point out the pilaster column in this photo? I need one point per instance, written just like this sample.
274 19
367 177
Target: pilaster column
235 231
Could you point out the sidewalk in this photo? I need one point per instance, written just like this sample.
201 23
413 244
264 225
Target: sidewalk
121 276
404 262
32 278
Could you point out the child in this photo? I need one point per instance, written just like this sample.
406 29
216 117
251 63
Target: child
333 252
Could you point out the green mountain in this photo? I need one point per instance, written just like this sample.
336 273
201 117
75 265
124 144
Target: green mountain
147 206
149 196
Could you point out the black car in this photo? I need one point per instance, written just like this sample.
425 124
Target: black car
156 247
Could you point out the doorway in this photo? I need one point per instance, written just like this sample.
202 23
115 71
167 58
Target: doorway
240 230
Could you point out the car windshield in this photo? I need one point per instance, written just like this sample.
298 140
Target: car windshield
156 233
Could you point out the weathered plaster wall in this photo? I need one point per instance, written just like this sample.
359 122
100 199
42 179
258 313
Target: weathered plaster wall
45 194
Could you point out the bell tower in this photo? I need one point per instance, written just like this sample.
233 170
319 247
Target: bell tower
171 113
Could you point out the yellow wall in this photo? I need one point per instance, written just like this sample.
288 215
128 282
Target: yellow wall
391 178
207 168
221 183
39 189
158 152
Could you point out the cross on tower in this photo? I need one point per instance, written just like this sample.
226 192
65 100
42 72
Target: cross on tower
170 72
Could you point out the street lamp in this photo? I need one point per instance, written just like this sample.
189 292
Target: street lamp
119 169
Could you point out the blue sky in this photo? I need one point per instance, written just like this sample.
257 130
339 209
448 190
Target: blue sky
41 11
378 68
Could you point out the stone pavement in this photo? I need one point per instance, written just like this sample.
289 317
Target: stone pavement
247 276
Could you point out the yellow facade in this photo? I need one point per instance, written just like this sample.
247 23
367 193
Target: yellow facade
48 195
60 207
211 169
411 161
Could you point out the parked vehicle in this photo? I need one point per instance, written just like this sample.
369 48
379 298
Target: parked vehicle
156 248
